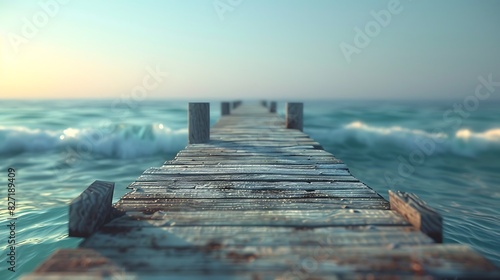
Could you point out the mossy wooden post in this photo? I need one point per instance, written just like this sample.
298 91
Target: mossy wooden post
418 213
225 108
199 123
272 107
91 209
294 113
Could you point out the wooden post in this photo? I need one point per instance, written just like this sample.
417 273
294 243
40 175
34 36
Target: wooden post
199 123
418 213
225 108
294 112
91 209
264 103
236 104
272 108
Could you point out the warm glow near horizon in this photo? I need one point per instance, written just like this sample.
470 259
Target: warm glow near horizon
200 49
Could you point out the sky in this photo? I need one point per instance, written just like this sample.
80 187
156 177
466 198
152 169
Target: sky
216 49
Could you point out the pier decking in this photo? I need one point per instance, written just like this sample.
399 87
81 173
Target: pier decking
260 201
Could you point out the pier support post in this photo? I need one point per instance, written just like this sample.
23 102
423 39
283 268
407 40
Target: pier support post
236 104
294 113
91 209
418 213
199 123
272 107
225 108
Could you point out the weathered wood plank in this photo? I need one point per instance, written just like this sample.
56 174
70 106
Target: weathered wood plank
236 170
265 130
266 125
228 138
250 166
249 194
255 166
244 133
257 144
254 152
304 204
438 261
91 209
277 218
86 275
291 161
186 237
264 121
256 155
247 177
263 147
249 185
418 213
257 160
80 260
244 275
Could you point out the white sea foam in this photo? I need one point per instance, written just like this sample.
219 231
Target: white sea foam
118 141
464 142
492 135
131 141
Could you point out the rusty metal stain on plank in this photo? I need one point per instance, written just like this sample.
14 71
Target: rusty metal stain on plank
439 261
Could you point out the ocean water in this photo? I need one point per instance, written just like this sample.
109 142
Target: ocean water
58 147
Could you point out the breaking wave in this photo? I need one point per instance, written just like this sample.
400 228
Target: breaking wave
131 141
117 141
463 142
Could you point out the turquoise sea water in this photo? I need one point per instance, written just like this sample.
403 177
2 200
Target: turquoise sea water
58 147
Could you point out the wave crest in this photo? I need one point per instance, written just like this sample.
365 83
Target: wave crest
120 140
463 142
492 135
132 141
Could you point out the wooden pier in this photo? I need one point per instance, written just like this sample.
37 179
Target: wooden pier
259 199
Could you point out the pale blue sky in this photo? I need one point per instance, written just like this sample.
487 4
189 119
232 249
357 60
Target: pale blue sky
280 49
